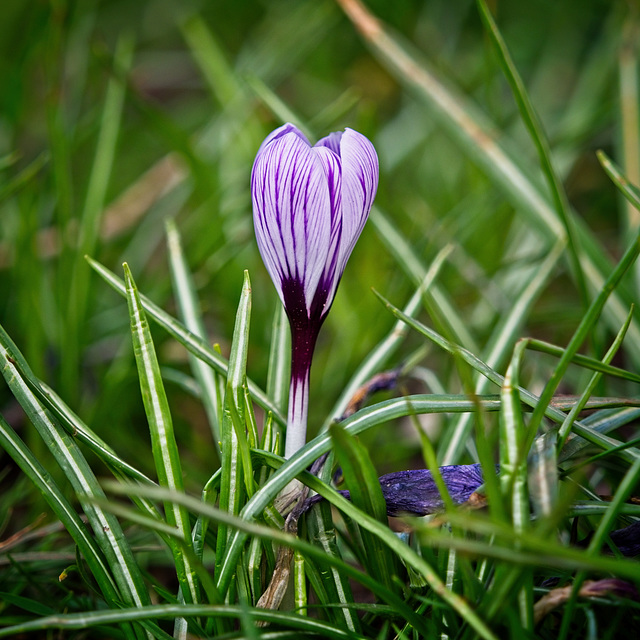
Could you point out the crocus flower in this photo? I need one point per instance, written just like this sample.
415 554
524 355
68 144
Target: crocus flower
310 204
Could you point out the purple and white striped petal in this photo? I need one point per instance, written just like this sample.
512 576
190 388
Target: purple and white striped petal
359 186
293 212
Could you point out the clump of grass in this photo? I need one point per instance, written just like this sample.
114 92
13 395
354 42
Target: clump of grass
503 316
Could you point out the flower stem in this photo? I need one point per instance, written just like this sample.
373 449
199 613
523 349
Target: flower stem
303 342
297 418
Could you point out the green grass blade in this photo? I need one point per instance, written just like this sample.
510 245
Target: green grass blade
502 339
106 527
31 467
233 423
309 627
164 447
539 138
628 190
279 359
191 342
565 428
93 207
362 481
184 291
381 353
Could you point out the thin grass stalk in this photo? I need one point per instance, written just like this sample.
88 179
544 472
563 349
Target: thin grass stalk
513 470
565 428
163 444
92 210
536 131
630 112
299 584
72 621
500 342
231 493
109 534
191 315
191 342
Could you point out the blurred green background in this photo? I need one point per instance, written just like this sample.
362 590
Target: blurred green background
116 116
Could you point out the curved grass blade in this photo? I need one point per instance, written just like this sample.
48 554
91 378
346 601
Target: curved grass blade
626 187
106 527
191 342
565 428
233 424
72 621
365 491
539 138
184 291
165 450
31 467
475 134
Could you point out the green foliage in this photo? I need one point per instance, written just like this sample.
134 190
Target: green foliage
503 253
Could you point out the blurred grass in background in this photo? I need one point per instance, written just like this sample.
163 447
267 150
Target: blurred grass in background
82 166
116 117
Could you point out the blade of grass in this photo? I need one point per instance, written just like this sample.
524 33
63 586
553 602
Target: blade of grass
536 131
93 207
308 626
565 428
192 343
106 527
163 444
233 424
33 469
184 291
366 493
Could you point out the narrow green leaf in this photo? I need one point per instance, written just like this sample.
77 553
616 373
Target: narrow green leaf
189 307
107 530
233 423
163 444
191 342
365 491
539 138
31 467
